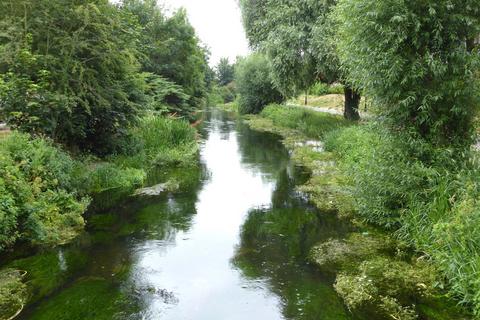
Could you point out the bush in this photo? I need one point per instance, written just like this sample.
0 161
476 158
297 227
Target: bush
229 92
336 88
38 202
319 89
164 96
254 84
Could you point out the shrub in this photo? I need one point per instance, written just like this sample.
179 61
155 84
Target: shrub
229 92
386 172
38 202
254 84
77 83
164 96
319 89
13 292
336 88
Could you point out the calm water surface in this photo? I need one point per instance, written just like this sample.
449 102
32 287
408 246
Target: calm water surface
231 245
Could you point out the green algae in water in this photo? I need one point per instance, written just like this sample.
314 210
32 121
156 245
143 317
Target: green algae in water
87 298
48 271
13 292
274 246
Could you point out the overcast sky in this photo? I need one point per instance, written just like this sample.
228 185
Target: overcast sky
218 24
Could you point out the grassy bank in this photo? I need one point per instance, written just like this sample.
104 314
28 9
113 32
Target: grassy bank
415 222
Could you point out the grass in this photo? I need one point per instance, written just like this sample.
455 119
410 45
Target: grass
156 142
333 102
311 123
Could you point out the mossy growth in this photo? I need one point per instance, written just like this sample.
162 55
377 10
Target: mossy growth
13 292
335 254
390 288
48 271
87 298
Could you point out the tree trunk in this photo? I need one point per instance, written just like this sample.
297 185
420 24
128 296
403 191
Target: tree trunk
352 101
306 97
470 44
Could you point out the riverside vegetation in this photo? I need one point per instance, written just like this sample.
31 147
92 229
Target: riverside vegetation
97 96
101 95
409 171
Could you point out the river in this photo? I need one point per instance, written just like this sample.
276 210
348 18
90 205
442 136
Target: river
231 245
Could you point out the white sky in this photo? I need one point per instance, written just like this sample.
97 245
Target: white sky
218 24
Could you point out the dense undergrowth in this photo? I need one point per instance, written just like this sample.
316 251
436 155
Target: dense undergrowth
426 198
45 191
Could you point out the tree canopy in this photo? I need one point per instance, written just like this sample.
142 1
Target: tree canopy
76 70
225 72
298 37
417 61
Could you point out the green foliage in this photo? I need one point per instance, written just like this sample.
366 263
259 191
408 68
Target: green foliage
336 88
283 29
385 172
414 59
299 37
164 96
229 92
105 176
170 48
167 140
311 123
254 84
68 70
158 141
225 72
428 196
38 201
319 89
13 293
387 285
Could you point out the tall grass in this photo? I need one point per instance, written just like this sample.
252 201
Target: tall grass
155 141
311 123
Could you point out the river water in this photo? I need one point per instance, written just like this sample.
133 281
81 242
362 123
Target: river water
232 244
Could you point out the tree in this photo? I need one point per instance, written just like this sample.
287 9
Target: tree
225 72
68 70
417 61
298 38
255 84
171 49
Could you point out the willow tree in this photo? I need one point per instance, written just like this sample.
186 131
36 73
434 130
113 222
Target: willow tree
297 37
417 60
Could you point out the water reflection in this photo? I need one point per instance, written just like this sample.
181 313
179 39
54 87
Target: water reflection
231 245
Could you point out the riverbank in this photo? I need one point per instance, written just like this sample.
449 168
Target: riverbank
375 271
46 192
